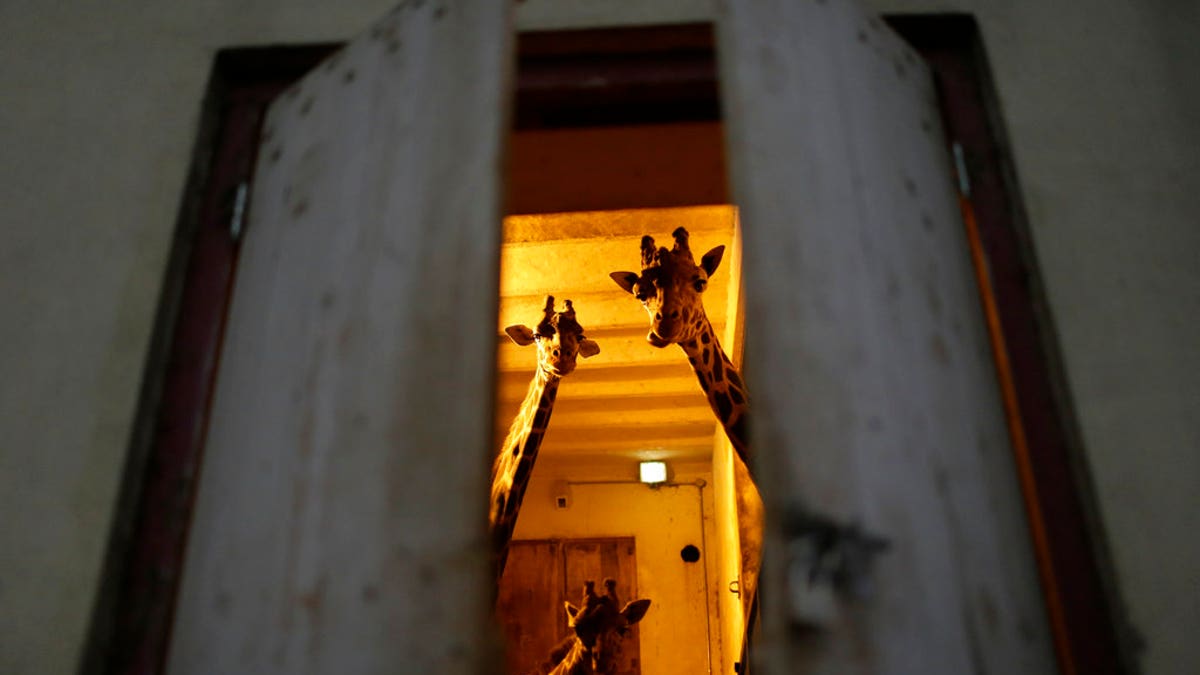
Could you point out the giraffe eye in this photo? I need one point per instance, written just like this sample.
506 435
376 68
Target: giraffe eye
700 285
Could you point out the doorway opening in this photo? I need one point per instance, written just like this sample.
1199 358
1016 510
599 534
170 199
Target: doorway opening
132 621
618 135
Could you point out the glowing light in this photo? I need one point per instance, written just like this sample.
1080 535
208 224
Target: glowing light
653 472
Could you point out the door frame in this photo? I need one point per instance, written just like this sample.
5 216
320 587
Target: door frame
130 627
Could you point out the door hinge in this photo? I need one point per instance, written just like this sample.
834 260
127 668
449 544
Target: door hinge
238 211
960 169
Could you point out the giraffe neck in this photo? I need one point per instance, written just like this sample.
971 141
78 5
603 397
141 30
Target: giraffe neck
576 662
514 463
721 384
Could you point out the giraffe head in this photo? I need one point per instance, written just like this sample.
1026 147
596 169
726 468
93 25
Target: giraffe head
599 625
559 339
670 287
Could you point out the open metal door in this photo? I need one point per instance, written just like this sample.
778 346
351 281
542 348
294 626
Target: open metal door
340 520
876 400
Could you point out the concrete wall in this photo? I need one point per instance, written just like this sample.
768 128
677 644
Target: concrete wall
100 107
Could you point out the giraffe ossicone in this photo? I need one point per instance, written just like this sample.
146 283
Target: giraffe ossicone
597 630
560 341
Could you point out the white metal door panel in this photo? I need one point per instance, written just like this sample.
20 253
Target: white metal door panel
867 355
339 525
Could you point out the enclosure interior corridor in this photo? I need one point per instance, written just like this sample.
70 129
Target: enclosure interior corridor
630 403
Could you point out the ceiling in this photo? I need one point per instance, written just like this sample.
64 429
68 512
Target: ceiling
631 401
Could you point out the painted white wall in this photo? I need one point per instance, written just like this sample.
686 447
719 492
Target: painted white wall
100 107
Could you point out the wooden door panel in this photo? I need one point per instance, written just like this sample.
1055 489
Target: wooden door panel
528 607
543 574
338 519
875 397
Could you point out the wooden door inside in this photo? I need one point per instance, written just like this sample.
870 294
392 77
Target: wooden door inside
543 574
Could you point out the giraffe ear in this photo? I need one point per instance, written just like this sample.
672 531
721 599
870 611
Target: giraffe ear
588 348
635 610
711 259
572 610
522 335
625 280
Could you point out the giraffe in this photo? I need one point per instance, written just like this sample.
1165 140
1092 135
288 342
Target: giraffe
670 287
597 628
559 339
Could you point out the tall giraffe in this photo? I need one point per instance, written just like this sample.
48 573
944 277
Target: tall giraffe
670 287
597 628
559 339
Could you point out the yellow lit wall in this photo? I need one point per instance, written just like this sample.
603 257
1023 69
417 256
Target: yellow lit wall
729 562
681 632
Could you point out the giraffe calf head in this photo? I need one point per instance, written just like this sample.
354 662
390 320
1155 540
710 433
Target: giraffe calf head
559 339
599 625
670 286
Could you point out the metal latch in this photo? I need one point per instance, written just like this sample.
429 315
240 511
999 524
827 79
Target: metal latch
238 212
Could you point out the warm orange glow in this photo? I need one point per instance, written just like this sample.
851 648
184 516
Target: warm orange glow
631 403
630 396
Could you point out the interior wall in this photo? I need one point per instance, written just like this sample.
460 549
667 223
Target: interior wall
101 105
680 633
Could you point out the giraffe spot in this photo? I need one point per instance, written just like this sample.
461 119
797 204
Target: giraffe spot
736 395
523 468
516 449
541 418
735 379
531 443
704 337
724 406
692 360
718 368
703 382
552 394
737 431
707 356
